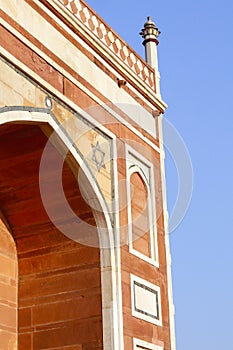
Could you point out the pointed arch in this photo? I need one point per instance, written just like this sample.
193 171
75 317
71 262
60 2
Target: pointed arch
143 240
140 212
100 212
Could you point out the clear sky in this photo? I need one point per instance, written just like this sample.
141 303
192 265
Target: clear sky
196 66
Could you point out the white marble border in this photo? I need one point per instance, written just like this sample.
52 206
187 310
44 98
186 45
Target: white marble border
167 239
151 286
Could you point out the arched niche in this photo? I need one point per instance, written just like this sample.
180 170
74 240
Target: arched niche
51 311
140 212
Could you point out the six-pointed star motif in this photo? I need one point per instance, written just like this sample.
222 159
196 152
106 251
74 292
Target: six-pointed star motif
98 156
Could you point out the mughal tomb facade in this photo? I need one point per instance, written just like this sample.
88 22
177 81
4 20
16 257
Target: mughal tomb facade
84 249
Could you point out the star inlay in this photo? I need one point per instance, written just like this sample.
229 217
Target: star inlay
98 156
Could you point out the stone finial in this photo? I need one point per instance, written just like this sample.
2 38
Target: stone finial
150 32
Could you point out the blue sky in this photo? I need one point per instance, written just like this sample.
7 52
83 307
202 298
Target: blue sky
196 66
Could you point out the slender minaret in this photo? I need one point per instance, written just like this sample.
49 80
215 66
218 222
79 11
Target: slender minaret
150 35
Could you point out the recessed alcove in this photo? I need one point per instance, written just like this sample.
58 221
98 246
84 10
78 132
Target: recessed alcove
52 284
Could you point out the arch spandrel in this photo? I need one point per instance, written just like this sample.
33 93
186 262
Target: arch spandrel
93 146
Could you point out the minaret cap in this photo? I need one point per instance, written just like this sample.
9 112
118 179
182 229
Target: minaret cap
150 32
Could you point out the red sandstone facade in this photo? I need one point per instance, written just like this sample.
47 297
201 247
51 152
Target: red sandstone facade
84 248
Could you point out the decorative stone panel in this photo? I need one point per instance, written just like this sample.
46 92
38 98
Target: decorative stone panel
146 300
